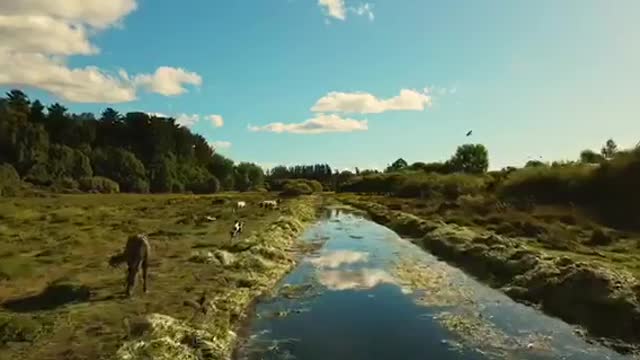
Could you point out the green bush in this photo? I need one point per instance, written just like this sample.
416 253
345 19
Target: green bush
560 184
296 188
139 185
38 174
417 184
99 184
315 185
65 185
456 185
9 180
609 188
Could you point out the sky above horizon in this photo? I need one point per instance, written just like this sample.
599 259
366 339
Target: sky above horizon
344 82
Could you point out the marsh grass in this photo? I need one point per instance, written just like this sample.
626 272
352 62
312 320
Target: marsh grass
559 229
61 300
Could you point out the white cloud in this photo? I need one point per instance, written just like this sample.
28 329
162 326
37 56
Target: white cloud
220 144
37 36
168 81
216 120
365 9
43 34
320 124
338 10
97 13
157 114
187 120
334 8
365 103
88 84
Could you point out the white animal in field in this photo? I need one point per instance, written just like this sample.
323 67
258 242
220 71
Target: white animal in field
240 205
270 204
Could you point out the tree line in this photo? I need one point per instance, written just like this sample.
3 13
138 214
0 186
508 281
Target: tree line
132 152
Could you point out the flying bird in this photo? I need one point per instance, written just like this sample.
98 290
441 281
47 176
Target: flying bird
469 133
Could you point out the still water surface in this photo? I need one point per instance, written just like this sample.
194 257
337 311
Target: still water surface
356 307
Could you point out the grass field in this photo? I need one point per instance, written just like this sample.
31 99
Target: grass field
60 298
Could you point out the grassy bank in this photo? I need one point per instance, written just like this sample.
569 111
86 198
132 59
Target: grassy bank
588 290
60 300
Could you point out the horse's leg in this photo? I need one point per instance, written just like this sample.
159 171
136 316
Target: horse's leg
144 274
131 278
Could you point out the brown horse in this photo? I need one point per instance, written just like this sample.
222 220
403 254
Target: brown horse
136 255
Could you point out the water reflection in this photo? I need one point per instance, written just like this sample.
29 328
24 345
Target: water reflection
360 279
338 258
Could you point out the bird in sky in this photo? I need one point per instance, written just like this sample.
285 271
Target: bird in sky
469 133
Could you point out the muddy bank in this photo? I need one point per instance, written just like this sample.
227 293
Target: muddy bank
603 301
260 259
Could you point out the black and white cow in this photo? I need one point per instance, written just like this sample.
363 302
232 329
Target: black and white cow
237 228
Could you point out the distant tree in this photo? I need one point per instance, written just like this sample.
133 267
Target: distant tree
32 147
534 163
470 158
36 113
197 179
163 176
61 161
279 172
123 167
81 165
18 102
110 116
369 172
397 165
590 157
609 149
223 169
437 167
137 151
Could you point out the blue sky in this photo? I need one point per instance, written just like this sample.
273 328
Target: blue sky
382 79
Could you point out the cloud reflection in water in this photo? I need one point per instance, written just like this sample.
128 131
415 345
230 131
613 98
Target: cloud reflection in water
361 279
337 258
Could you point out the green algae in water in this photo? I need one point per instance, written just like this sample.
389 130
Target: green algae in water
433 282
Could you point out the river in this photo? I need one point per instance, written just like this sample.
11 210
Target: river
368 293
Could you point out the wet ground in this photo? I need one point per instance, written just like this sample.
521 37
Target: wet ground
369 294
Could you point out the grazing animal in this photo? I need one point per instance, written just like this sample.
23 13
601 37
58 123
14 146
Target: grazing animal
240 205
136 255
237 228
270 204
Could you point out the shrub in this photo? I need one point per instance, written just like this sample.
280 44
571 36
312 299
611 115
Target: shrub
418 186
38 174
315 185
9 180
139 186
456 185
561 184
296 188
476 203
99 184
65 184
600 237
